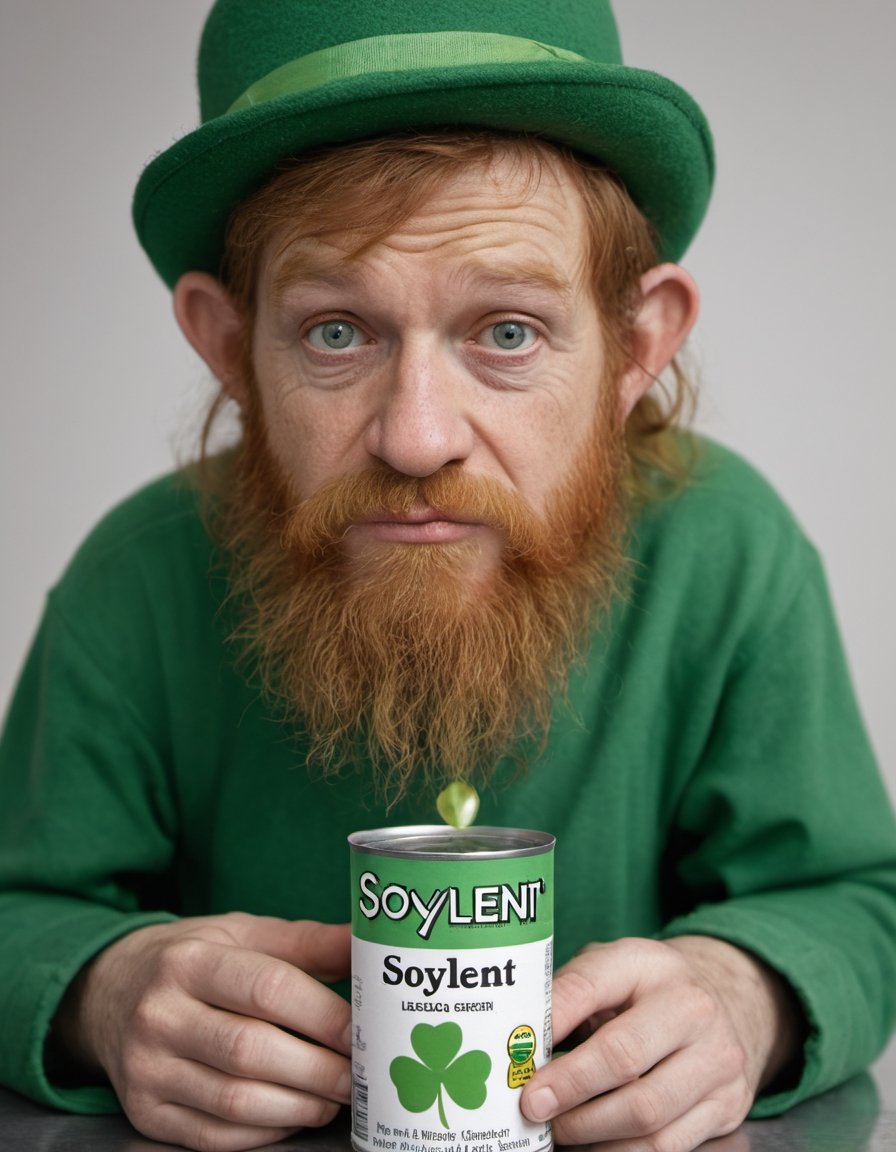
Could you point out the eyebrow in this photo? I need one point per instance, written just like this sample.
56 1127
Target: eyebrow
303 266
528 275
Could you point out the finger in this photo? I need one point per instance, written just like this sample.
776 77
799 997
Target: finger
644 1106
190 1128
246 1047
252 1103
263 987
621 1051
323 950
601 978
704 1122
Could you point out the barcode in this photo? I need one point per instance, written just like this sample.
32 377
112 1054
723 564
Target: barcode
548 1037
359 1107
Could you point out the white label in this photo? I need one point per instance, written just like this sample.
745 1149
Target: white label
443 1042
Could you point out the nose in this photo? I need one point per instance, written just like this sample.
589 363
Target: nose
420 423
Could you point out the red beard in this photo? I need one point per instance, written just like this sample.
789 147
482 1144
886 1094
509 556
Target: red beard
396 661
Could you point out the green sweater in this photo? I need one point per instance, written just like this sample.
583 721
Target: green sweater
712 775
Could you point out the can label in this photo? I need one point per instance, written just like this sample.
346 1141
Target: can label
451 984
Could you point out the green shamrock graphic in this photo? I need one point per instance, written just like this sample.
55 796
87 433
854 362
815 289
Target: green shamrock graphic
420 1084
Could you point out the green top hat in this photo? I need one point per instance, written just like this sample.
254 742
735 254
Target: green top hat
277 77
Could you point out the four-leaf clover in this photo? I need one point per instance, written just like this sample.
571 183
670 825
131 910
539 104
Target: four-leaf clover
420 1084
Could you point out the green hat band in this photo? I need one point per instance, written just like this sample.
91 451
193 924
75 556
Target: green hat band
415 51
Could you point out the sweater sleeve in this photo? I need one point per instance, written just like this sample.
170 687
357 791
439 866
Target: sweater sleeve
86 843
785 842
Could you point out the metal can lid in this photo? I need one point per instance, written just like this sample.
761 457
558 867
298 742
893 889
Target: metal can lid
441 842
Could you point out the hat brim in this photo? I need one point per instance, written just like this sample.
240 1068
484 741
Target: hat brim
640 125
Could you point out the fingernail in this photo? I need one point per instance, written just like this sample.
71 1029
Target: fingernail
344 1088
541 1104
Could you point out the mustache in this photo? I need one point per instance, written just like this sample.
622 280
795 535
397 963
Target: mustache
323 519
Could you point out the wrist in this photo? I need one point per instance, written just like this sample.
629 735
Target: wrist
70 1057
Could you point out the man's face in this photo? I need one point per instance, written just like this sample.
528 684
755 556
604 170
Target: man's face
426 506
468 337
426 511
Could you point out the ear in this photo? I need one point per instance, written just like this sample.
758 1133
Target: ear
669 306
215 326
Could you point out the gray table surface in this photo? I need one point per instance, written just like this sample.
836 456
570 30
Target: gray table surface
849 1119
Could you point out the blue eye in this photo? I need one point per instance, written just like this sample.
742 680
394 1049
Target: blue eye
509 335
334 335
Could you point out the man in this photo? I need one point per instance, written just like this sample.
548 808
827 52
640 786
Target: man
459 539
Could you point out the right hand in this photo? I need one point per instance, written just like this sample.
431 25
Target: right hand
188 1022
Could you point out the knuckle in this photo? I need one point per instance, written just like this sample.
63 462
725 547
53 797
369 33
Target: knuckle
320 1073
648 1111
317 1112
574 985
234 927
623 1052
337 1015
636 951
650 962
180 956
238 919
731 1061
576 1085
137 1104
267 986
130 1099
147 1022
742 1101
701 1003
233 1100
736 1061
672 1139
237 1047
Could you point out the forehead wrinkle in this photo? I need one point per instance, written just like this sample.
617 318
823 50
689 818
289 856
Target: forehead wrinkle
314 262
311 265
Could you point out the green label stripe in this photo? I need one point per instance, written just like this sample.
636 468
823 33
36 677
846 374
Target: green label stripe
399 901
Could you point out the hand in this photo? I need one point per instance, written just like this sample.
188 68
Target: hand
187 1020
682 1035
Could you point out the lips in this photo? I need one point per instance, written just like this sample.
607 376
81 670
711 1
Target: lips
417 526
416 516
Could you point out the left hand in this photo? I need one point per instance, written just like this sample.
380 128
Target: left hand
681 1036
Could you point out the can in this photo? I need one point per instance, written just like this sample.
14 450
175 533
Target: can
452 950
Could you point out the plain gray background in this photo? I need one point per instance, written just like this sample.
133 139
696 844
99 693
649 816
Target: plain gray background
795 261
